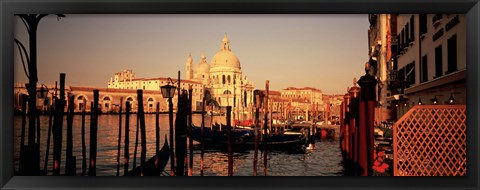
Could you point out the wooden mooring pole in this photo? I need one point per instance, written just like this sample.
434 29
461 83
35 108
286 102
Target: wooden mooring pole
202 137
157 128
157 136
24 120
267 83
257 122
126 152
119 135
58 127
181 134
84 154
23 149
230 141
49 134
141 115
70 164
346 123
171 133
92 171
23 155
190 140
37 143
136 143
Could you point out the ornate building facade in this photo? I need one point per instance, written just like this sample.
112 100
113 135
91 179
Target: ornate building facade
224 80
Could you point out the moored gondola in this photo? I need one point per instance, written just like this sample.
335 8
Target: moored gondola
244 139
217 139
154 166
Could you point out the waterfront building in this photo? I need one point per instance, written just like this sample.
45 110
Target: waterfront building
302 103
428 64
109 99
126 80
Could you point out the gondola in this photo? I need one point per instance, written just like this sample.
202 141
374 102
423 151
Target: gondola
244 139
218 139
154 167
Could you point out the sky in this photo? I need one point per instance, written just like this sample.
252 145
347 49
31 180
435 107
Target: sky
320 51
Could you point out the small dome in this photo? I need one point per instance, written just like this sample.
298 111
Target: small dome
203 66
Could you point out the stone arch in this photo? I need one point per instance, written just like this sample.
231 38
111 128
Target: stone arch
81 101
106 104
132 101
151 104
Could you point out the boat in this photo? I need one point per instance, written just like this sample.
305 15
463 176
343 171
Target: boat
244 139
154 166
218 139
289 141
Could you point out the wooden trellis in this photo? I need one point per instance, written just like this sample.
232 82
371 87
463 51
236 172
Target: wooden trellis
430 140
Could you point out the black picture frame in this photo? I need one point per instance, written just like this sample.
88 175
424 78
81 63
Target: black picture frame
8 8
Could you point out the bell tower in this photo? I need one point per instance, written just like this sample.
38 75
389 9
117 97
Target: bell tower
189 69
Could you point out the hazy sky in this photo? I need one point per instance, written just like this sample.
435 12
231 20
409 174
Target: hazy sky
320 51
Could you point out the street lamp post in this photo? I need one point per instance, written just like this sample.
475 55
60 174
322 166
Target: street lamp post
168 91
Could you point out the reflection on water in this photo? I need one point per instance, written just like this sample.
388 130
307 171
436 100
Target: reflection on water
323 160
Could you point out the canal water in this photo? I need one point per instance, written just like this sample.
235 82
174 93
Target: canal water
323 160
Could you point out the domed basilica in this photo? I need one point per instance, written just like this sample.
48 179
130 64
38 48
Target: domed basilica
224 79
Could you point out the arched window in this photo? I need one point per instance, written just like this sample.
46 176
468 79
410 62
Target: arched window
81 103
228 79
106 104
223 79
150 104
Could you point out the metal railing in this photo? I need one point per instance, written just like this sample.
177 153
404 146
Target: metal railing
430 140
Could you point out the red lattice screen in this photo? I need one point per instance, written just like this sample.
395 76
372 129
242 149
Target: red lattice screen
430 140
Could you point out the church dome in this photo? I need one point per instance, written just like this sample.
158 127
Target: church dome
225 57
203 67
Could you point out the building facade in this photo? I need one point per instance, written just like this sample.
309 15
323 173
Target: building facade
302 103
428 64
381 36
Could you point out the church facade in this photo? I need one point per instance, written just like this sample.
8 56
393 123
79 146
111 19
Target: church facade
224 80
